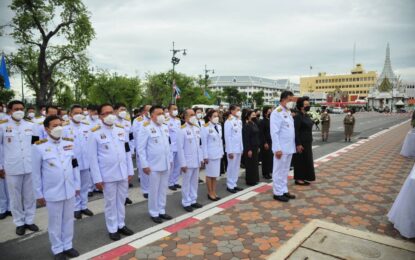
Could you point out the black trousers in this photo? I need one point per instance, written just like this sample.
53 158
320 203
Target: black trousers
267 161
251 167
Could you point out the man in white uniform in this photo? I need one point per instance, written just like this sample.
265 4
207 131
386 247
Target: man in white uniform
234 147
111 168
41 131
153 148
4 193
173 123
55 177
93 120
137 125
16 139
283 145
190 158
79 131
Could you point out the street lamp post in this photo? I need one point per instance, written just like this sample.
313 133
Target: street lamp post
207 74
175 61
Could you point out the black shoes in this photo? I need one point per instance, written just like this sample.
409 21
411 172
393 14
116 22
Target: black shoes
178 186
128 201
130 185
289 195
201 181
90 194
21 230
213 199
115 236
77 214
60 256
267 177
231 190
71 253
32 227
281 198
145 195
188 208
165 216
125 231
238 188
87 212
196 205
173 188
304 183
157 220
5 214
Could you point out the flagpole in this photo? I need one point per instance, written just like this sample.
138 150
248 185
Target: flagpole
21 75
175 61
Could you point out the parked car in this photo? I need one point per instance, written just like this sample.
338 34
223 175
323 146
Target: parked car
337 110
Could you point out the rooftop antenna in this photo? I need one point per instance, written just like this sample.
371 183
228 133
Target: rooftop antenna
354 54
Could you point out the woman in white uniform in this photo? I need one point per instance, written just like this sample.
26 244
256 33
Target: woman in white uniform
212 147
408 147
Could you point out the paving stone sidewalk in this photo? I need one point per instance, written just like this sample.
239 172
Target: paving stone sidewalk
355 189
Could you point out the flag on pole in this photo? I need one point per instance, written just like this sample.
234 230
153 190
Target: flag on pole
176 90
3 73
207 94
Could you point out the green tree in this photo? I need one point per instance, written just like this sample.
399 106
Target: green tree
6 95
64 95
258 97
52 36
113 89
233 96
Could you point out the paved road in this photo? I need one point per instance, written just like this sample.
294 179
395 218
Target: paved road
90 233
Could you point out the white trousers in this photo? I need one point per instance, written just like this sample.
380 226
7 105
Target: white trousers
280 170
115 194
232 172
158 193
22 200
4 196
174 170
81 200
144 178
189 186
60 224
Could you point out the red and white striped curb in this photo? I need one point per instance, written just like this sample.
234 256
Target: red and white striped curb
150 235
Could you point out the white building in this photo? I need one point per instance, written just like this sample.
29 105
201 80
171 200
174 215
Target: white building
316 97
250 84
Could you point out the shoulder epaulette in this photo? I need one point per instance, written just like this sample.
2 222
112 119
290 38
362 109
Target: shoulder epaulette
146 123
279 109
65 123
128 118
38 116
95 128
139 119
27 120
184 125
85 123
67 139
168 119
119 126
41 141
206 125
4 121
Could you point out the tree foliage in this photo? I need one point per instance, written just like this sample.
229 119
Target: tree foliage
258 97
113 89
233 96
52 36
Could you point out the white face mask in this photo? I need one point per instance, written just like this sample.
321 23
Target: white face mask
110 119
77 118
57 132
160 119
174 112
65 117
122 114
199 115
85 113
95 117
31 115
239 114
166 114
325 112
193 120
291 105
215 120
349 114
18 115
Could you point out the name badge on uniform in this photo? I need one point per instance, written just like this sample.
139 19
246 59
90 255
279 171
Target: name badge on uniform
103 136
51 164
106 147
285 116
9 140
153 131
68 147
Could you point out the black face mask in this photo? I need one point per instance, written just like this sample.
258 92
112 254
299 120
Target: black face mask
306 109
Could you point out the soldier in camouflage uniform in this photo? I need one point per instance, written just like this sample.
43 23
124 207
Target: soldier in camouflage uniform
325 125
348 122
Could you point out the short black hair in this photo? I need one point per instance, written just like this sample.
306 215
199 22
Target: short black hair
47 120
14 102
154 108
92 107
75 106
285 94
248 113
170 105
233 107
300 103
102 106
30 107
197 108
51 106
265 110
117 106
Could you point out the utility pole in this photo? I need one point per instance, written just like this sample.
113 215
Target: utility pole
175 61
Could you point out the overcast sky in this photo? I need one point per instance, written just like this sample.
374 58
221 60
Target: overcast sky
275 39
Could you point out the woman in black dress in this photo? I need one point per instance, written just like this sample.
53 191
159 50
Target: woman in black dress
303 160
250 136
266 143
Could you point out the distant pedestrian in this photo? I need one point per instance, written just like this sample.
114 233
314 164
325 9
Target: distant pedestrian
349 122
325 125
250 136
303 160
